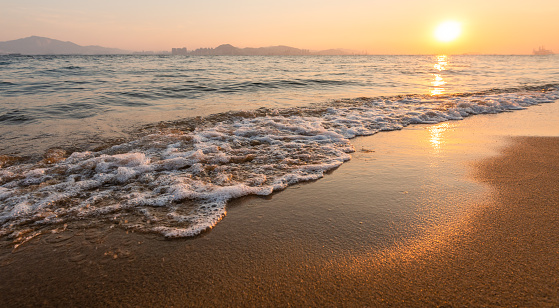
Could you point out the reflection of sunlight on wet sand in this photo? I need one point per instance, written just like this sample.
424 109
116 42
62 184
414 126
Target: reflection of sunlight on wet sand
437 139
437 84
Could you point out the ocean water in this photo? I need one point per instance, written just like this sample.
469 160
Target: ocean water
162 143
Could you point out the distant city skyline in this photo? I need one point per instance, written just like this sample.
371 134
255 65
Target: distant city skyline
374 27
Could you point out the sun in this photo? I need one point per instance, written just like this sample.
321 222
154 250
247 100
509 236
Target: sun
448 31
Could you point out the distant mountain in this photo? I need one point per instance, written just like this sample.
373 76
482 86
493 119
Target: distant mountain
336 52
230 50
277 51
36 45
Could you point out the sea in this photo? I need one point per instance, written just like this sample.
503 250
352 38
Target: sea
162 143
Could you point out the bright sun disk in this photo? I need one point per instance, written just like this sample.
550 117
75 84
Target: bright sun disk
448 31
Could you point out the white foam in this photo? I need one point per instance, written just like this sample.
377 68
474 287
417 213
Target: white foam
178 184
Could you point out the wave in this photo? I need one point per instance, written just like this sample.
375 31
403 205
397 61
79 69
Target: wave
194 89
187 89
177 177
15 116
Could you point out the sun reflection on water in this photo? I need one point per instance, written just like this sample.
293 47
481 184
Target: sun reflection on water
438 82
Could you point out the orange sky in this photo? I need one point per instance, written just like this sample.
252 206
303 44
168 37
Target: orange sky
377 27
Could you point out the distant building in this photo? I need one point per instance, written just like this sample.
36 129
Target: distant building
179 51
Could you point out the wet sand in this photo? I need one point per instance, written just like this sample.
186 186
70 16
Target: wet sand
456 214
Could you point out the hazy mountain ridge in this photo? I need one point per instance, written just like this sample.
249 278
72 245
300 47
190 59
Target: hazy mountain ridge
36 45
230 50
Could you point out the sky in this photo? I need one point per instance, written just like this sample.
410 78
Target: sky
371 26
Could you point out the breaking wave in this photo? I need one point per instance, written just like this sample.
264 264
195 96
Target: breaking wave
176 180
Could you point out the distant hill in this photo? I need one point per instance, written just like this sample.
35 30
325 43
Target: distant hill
336 52
230 50
36 45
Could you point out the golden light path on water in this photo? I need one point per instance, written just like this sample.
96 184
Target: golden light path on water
438 82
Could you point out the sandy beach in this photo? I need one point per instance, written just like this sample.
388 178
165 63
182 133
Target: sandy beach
457 214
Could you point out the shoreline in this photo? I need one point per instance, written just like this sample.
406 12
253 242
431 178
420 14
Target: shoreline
407 222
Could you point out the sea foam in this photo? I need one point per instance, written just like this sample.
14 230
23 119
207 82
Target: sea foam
177 182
